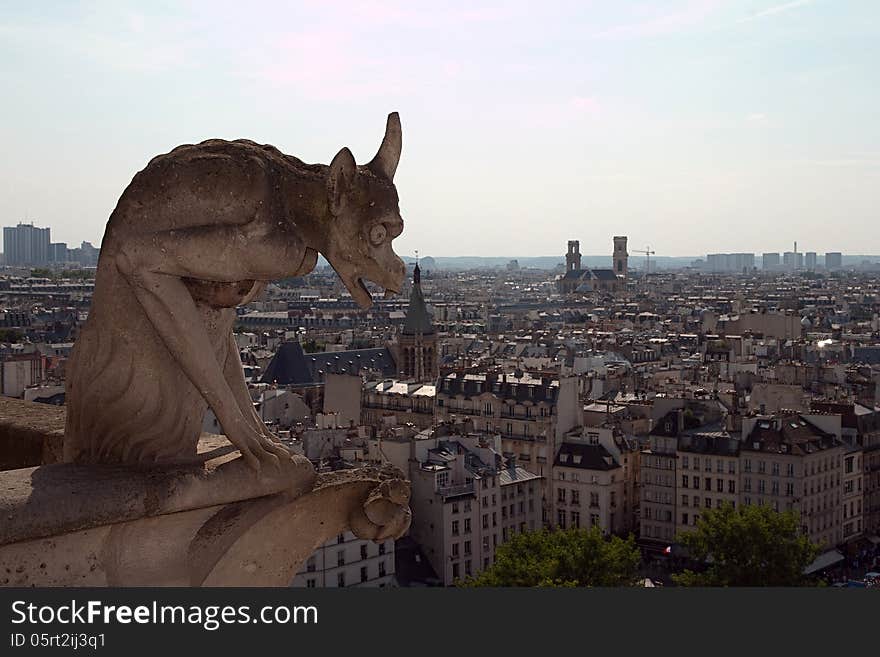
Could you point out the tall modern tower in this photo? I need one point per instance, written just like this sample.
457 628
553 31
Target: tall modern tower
26 244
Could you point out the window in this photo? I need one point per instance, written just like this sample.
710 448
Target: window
340 579
560 519
719 466
455 527
363 573
575 496
310 583
467 567
708 483
381 569
340 538
363 552
731 486
684 481
762 467
594 499
381 548
731 467
684 500
848 464
747 465
467 547
310 565
684 462
774 487
560 495
455 507
467 525
684 518
761 487
789 470
455 549
696 463
612 499
494 520
719 485
455 571
594 520
485 521
696 483
340 558
696 501
774 470
747 484
708 502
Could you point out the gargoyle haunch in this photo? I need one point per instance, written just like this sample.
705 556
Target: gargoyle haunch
199 231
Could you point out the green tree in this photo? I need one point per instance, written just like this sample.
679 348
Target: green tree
10 335
748 546
571 557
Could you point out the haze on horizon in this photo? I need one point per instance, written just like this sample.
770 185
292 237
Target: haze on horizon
692 126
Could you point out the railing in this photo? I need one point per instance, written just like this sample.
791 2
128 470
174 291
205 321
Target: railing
459 489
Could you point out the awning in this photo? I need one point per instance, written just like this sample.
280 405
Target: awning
823 561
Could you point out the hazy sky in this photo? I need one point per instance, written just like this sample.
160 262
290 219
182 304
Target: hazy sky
690 126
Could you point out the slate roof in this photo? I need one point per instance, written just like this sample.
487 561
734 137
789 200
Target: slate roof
418 319
291 366
585 457
789 434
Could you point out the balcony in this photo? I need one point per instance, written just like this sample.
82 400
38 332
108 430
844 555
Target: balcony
458 489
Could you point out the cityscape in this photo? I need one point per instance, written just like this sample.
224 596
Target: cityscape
624 398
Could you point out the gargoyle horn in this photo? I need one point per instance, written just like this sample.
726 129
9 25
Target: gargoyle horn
384 164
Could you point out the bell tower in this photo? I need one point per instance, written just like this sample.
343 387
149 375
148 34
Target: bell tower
573 257
620 256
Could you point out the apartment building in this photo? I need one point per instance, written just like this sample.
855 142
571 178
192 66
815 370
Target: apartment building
794 462
348 561
708 467
409 402
658 475
595 481
530 412
466 501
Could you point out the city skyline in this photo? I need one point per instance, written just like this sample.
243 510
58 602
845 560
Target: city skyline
704 120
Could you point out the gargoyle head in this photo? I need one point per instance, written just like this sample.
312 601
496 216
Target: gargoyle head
366 217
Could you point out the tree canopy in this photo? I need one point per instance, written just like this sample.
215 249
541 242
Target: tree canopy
747 546
571 557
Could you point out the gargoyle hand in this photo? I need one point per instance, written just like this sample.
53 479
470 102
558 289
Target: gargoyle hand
385 513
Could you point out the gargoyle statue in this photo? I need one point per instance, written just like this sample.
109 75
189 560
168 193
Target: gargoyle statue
199 231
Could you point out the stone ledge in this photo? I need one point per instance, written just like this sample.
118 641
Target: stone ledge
30 433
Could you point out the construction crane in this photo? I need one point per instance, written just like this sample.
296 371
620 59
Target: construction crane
648 253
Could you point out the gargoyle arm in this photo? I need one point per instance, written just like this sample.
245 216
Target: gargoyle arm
154 267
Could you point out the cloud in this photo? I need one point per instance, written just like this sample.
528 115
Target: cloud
693 13
777 9
756 117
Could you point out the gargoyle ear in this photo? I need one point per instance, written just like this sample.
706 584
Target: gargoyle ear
342 172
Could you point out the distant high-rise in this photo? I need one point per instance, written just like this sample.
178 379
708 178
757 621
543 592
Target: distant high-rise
793 260
770 261
833 260
730 262
810 261
25 244
58 252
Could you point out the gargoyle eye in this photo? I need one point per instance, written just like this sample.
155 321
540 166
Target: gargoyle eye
378 234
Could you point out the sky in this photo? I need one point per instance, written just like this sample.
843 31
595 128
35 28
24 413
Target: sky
691 126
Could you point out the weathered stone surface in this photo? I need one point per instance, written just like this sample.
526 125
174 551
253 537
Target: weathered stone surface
30 433
259 541
142 497
200 230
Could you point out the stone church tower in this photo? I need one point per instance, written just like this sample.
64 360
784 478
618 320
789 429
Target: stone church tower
417 344
620 256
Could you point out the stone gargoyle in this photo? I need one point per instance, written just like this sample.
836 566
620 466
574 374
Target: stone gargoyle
199 231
